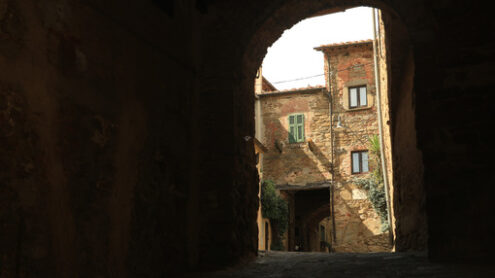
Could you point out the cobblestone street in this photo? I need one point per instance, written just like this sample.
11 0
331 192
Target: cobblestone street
315 265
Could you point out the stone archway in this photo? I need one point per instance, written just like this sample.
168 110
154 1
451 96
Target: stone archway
424 72
409 197
235 68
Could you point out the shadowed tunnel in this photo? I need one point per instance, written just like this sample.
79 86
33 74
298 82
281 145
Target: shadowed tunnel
122 150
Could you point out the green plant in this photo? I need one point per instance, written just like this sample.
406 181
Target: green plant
375 159
374 184
276 209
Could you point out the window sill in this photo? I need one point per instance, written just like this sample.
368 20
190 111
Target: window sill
360 173
296 145
358 108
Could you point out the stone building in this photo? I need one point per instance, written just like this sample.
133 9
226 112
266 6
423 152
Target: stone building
299 170
307 131
350 79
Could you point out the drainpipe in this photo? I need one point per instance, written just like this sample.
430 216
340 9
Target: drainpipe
258 126
332 139
380 124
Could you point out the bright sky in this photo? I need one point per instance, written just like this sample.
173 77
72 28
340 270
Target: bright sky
292 56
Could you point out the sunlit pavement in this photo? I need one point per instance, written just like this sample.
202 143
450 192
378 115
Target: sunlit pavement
298 264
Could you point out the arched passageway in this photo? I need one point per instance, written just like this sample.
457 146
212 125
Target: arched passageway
424 141
123 147
411 236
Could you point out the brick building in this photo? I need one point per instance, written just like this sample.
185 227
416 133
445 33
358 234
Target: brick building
308 130
350 79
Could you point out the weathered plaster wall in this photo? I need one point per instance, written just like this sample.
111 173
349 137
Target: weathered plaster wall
358 226
383 58
408 196
264 226
302 163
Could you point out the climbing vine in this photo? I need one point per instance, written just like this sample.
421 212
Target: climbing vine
374 184
276 209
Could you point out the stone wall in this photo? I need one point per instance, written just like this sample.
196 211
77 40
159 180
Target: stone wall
99 153
408 197
383 58
358 226
326 223
298 164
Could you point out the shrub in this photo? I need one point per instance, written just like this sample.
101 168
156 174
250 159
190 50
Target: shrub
374 184
276 209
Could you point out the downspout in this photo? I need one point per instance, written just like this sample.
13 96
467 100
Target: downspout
380 125
258 121
332 140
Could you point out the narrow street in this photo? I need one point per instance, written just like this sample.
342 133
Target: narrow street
336 265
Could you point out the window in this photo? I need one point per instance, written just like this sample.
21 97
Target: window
296 128
359 162
358 97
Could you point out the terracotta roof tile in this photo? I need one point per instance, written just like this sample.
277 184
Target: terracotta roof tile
293 90
340 44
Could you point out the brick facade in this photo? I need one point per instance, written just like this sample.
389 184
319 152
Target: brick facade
358 226
306 165
296 164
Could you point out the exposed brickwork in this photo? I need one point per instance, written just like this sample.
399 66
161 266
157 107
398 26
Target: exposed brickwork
296 163
358 226
306 164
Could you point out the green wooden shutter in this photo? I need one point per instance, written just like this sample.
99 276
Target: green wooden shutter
300 128
296 128
292 129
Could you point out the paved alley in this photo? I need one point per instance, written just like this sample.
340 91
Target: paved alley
346 265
